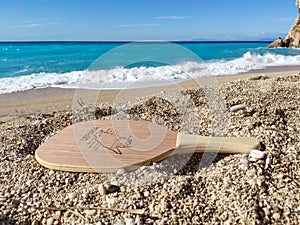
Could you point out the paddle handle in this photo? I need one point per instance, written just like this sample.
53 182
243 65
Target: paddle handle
188 143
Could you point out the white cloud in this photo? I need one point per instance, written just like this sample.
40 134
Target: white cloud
171 17
139 25
27 24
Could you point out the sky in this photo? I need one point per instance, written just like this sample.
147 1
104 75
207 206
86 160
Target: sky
127 20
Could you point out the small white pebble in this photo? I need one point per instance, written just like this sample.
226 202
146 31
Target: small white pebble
58 214
267 162
51 172
138 220
121 171
90 212
73 195
17 187
276 216
236 108
101 189
28 182
85 195
243 160
256 154
259 182
129 221
146 194
50 221
252 182
267 211
35 195
44 221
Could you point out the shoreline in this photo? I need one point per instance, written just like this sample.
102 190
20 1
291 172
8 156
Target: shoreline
48 91
56 99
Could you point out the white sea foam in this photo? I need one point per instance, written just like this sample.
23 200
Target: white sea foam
146 76
40 80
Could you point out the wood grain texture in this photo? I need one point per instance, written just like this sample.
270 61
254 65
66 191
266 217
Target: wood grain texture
108 145
188 142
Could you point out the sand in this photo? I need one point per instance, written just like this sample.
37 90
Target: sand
25 103
258 188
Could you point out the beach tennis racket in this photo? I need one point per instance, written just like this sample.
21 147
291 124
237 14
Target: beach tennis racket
108 145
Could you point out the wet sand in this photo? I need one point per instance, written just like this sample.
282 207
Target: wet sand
18 104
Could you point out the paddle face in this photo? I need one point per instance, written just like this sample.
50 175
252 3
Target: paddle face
106 146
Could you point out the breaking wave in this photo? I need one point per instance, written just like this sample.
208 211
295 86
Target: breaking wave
114 78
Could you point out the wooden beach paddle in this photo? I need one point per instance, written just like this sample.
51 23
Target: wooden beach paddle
108 145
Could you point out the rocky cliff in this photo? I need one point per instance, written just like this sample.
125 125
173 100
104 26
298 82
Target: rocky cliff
292 40
293 37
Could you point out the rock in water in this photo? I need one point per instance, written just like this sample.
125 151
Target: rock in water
292 40
277 43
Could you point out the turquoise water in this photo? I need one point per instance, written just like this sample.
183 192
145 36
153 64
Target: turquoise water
18 59
41 64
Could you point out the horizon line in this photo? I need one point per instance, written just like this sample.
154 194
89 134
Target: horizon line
129 41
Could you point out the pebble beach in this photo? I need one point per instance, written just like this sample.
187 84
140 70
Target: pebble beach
262 187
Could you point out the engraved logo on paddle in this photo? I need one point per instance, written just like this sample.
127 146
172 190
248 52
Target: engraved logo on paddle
98 139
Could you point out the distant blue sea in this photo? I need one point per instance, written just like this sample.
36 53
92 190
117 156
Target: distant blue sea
28 65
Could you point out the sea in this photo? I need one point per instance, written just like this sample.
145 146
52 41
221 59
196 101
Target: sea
109 65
